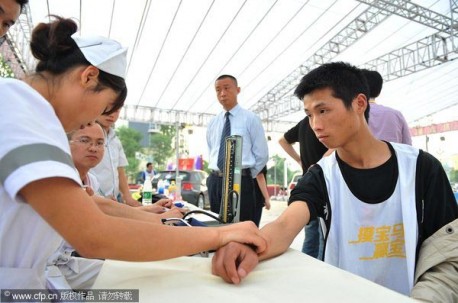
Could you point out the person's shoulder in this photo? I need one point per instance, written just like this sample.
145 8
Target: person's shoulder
394 111
304 121
213 120
249 114
405 151
14 87
428 161
313 178
386 109
8 83
112 136
315 169
92 178
4 82
219 115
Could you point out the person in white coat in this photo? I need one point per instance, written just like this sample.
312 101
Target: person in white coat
42 201
111 171
66 269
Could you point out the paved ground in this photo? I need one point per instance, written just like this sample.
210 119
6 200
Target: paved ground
277 208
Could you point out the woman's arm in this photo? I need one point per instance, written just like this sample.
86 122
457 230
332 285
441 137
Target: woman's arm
74 215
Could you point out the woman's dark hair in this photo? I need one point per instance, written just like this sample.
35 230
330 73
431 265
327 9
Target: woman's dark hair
57 53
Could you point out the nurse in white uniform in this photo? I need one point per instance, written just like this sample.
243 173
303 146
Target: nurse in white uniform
41 199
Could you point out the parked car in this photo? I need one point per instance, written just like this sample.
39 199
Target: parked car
193 185
293 182
134 187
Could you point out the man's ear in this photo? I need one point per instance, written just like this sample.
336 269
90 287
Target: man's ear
90 77
360 103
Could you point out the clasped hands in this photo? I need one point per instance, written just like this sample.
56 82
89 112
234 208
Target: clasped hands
235 261
231 262
165 208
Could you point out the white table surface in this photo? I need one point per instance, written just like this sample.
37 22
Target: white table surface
291 277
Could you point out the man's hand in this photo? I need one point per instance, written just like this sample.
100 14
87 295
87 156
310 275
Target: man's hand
267 203
234 262
243 232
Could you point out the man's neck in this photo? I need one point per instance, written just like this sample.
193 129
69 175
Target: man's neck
229 109
83 174
107 130
364 152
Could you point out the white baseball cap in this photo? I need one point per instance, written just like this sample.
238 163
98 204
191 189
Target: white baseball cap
105 54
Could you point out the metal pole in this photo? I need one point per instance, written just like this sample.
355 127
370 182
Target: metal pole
177 155
275 179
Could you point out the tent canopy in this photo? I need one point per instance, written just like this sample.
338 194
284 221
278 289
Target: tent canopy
177 48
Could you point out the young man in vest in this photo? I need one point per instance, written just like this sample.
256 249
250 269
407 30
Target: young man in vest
379 200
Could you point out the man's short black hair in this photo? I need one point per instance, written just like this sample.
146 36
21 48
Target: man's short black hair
148 164
228 76
375 82
346 82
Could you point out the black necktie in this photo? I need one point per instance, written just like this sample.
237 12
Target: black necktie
222 146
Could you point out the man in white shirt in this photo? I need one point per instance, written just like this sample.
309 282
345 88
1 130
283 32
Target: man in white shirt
111 171
254 147
148 172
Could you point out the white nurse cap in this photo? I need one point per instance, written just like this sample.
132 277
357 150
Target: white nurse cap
105 54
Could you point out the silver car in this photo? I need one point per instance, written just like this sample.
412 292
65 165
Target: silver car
193 186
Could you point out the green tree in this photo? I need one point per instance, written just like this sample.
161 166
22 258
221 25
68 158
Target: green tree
205 166
5 69
161 146
130 139
453 176
275 174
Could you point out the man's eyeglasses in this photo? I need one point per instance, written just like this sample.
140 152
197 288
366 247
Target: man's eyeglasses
99 144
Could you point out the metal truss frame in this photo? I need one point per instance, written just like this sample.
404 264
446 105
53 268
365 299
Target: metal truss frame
148 114
279 102
413 12
271 105
425 53
163 116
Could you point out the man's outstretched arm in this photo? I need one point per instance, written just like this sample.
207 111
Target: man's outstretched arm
234 261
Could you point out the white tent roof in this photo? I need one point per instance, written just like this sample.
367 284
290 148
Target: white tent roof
178 47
